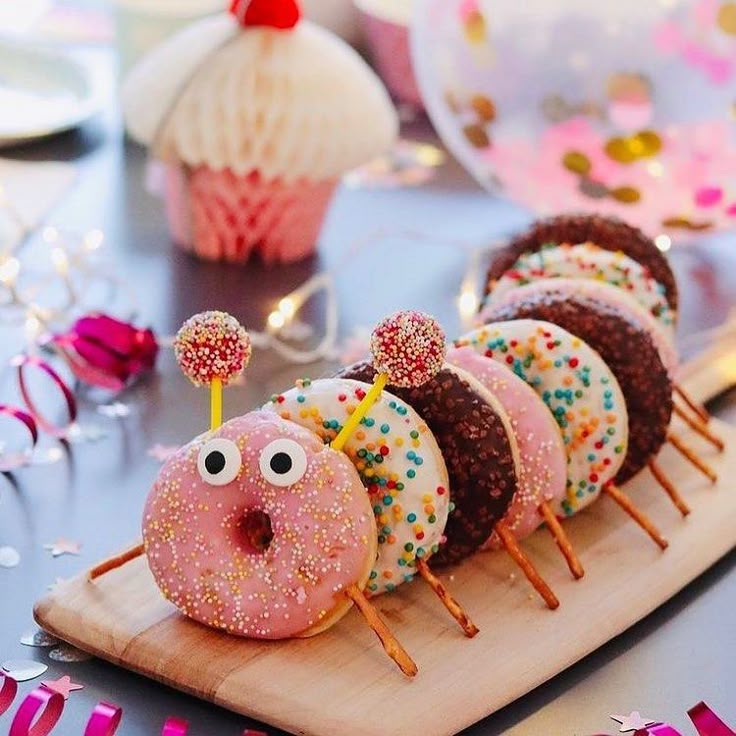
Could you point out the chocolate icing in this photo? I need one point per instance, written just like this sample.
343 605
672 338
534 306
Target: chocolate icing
606 232
629 352
477 452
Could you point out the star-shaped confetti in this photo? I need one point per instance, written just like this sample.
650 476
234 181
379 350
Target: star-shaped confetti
64 686
162 452
632 722
63 547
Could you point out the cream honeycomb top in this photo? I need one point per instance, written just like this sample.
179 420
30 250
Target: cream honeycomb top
288 104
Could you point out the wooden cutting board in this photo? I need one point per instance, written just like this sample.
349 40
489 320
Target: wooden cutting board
342 683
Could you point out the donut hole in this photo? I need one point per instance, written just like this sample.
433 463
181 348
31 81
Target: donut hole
254 532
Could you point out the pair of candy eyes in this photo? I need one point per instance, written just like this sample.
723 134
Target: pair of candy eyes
282 462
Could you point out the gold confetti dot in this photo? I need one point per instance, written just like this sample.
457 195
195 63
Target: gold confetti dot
649 142
484 107
727 18
619 150
477 136
683 223
475 27
644 144
576 162
626 195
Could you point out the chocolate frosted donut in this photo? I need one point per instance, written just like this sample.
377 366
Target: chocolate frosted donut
629 352
478 448
606 232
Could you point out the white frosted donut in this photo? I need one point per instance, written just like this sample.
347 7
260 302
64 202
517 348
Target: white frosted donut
578 387
588 261
611 295
398 460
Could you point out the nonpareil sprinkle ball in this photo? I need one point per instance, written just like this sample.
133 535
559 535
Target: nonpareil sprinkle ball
212 345
409 347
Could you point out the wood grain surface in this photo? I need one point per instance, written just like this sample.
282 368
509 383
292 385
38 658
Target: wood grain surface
340 682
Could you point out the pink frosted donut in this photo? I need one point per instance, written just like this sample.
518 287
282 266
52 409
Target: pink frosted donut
258 528
603 292
543 466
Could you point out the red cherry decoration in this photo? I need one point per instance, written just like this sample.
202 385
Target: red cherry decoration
281 14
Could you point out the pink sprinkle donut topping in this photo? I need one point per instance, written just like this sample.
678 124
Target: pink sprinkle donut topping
212 345
409 347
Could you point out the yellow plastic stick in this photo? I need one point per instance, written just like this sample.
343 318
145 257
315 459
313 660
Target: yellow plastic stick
360 411
215 403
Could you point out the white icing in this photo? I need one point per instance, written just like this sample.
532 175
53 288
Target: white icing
390 421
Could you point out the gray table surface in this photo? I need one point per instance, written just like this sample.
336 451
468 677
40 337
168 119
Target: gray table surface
680 654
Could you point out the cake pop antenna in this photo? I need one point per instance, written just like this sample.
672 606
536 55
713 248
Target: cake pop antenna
408 350
212 348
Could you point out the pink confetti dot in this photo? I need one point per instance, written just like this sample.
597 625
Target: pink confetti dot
409 347
708 196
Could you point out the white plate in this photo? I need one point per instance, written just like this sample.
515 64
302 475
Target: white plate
42 92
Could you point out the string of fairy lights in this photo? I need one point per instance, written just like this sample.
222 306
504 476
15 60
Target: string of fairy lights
70 261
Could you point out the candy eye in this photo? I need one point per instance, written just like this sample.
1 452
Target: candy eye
219 462
283 462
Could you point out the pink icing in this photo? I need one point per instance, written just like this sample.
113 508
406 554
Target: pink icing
207 566
604 293
543 470
224 217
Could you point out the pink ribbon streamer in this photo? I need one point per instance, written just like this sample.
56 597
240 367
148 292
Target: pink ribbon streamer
8 461
707 722
107 352
175 727
104 720
25 362
7 692
38 713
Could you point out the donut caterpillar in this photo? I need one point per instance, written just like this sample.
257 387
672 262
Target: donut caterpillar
409 358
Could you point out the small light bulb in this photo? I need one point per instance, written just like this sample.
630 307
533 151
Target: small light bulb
60 260
9 270
276 320
93 239
287 307
50 234
663 242
468 303
33 327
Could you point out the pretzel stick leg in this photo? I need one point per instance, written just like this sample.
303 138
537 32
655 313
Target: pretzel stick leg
115 562
638 516
669 488
455 609
526 565
562 540
691 457
700 428
390 643
695 406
